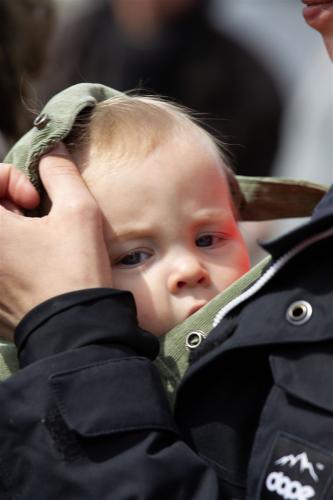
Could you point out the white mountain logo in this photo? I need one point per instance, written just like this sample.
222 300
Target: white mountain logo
304 463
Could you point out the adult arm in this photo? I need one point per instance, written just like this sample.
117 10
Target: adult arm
42 257
86 416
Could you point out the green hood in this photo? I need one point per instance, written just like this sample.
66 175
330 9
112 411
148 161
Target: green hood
263 198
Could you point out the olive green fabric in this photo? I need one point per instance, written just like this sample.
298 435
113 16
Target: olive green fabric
8 359
53 124
267 198
173 360
263 199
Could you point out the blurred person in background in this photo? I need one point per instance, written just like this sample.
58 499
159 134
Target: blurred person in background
319 15
306 148
170 47
25 30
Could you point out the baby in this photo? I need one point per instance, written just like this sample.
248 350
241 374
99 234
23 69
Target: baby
164 189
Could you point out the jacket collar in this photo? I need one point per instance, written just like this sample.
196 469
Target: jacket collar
320 220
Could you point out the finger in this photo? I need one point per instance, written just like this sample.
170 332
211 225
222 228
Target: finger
62 179
9 205
16 187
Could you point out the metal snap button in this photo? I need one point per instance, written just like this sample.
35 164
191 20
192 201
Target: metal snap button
194 339
299 312
41 121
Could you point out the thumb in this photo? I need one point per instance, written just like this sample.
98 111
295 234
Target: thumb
16 187
61 178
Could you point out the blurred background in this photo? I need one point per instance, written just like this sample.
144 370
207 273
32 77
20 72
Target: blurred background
252 70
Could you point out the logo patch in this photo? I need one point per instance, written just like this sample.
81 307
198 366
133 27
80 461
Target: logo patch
296 471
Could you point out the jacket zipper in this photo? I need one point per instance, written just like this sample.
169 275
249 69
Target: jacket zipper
269 273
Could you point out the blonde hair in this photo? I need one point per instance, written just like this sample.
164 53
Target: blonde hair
128 126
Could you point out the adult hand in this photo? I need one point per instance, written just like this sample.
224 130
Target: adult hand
42 257
16 191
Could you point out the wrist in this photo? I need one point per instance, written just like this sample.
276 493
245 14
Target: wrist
81 318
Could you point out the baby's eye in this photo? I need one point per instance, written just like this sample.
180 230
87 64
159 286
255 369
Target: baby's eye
207 240
134 258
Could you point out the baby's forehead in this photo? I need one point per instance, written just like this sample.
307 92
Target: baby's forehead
177 171
133 158
144 139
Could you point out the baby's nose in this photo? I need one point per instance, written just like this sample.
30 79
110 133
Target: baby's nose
188 272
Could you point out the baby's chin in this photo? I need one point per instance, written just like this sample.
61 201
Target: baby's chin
161 332
158 328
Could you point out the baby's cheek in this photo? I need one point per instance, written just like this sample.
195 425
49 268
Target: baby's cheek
241 256
145 310
152 316
244 265
141 295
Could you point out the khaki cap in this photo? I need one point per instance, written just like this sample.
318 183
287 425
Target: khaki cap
264 198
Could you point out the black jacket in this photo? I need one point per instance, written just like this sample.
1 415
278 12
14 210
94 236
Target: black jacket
86 416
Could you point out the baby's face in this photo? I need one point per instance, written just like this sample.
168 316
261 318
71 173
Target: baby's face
170 229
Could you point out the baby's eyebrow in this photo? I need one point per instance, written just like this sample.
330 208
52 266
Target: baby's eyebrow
130 234
143 231
211 215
